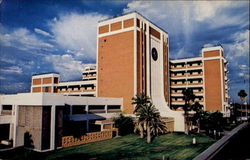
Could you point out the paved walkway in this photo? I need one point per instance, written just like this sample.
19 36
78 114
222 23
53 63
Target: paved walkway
233 146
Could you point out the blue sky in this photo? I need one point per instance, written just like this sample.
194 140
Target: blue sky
40 36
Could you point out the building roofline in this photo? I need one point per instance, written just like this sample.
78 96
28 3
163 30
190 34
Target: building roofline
38 74
186 59
216 47
120 15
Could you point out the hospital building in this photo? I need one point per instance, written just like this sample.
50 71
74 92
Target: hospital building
132 58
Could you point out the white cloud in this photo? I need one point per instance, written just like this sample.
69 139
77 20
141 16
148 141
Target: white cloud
7 60
66 65
243 66
204 10
23 39
16 87
185 18
2 78
76 33
42 32
208 45
241 74
12 69
184 12
240 46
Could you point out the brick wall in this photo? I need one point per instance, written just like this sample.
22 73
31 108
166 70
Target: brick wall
69 141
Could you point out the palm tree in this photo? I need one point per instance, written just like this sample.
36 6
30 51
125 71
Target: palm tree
242 94
149 116
189 98
197 107
139 101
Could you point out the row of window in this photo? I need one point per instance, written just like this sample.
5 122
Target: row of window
77 88
189 80
182 99
180 90
189 65
89 74
81 109
184 82
189 73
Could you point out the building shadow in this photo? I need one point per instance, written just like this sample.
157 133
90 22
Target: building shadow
28 142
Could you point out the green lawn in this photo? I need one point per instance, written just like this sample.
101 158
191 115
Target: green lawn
173 146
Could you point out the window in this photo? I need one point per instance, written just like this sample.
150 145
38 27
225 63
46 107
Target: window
97 108
55 80
46 89
7 107
78 109
114 107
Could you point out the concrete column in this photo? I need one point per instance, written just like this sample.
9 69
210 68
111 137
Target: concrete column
106 109
13 110
87 109
101 127
16 107
70 110
87 125
1 108
52 127
11 131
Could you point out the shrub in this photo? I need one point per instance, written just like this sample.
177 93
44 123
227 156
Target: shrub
124 124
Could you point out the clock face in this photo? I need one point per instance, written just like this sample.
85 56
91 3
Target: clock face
154 54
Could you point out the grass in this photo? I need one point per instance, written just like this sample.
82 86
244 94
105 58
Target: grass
173 146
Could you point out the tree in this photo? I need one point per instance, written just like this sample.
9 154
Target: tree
197 107
124 124
217 122
139 101
242 94
205 121
212 121
189 98
149 116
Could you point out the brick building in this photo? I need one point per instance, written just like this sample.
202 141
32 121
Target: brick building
206 75
132 58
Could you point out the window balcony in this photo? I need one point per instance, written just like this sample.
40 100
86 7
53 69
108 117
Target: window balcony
178 68
177 76
195 83
195 75
178 102
194 66
177 93
197 100
180 84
